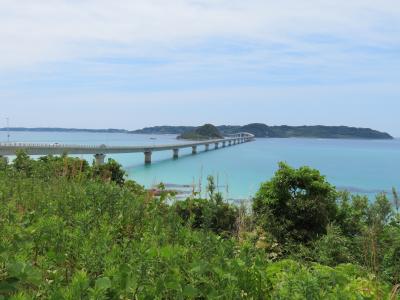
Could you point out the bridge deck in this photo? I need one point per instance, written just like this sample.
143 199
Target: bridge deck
7 149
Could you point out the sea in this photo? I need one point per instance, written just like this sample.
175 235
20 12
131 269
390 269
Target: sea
365 167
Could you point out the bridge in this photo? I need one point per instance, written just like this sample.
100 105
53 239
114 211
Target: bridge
100 151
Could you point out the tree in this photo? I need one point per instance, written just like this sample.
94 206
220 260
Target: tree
3 162
111 171
295 205
396 200
333 248
22 163
211 187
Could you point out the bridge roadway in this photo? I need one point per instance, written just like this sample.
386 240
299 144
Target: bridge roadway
99 152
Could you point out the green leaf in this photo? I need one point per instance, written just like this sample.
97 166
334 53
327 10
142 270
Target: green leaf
173 285
16 268
103 283
6 288
167 252
190 291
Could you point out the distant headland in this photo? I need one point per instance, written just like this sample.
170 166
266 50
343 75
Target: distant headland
264 131
258 129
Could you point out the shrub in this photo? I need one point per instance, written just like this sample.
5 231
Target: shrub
333 248
218 216
295 205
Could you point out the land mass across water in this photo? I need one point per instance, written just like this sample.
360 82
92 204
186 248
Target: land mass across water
205 132
264 131
258 129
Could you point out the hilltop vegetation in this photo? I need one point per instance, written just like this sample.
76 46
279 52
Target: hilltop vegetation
329 132
70 230
262 130
205 132
164 130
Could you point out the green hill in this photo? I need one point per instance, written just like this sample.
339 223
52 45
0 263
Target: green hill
205 132
318 131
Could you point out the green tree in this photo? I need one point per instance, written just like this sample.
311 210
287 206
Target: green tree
295 205
211 187
396 200
3 163
23 164
111 171
333 248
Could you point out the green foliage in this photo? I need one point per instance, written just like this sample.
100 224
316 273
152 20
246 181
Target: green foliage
211 214
73 231
207 214
352 213
341 132
374 241
292 280
396 200
295 205
262 130
110 171
22 163
211 187
333 248
205 132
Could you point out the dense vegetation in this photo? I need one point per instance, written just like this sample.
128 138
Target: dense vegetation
205 132
164 130
262 130
69 230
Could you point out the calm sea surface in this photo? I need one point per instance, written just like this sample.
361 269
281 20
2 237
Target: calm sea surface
361 166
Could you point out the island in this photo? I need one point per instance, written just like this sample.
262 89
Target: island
260 130
205 132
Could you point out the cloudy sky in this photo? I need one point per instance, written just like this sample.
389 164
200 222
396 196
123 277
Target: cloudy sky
135 63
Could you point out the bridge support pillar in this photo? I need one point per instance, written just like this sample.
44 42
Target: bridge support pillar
147 157
175 154
216 146
100 158
223 144
207 147
230 143
194 149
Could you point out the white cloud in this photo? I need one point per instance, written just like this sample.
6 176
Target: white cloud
41 31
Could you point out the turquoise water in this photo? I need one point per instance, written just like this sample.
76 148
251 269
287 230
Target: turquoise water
361 166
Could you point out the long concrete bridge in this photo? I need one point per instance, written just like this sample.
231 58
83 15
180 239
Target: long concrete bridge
99 152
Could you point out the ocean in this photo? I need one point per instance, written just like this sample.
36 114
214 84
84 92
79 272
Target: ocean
360 166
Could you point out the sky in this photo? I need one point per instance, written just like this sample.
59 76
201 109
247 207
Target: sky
136 63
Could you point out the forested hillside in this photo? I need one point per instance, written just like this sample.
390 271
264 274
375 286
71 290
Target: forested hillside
263 131
205 132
